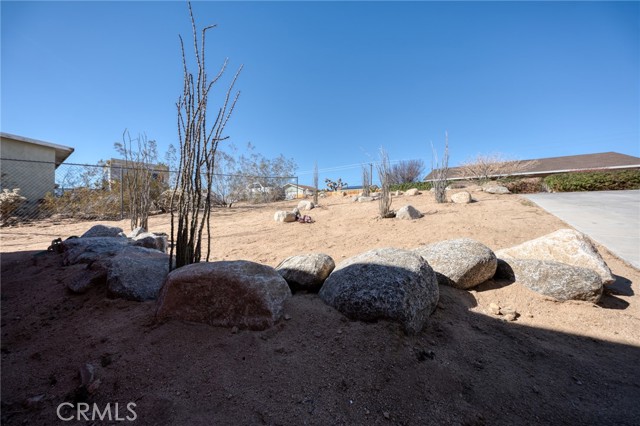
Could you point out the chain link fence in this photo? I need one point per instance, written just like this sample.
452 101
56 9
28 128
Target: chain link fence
37 190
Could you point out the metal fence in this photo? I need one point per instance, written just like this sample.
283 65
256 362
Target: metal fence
37 190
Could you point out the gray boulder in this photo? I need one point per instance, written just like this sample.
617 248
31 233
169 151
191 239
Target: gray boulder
80 277
386 283
566 246
462 197
239 294
153 241
305 205
462 263
553 279
137 273
307 271
363 199
91 249
408 212
284 216
102 231
496 189
412 192
139 230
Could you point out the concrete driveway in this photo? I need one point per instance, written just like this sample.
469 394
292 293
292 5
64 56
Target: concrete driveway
612 218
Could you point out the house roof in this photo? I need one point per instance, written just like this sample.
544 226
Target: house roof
62 152
570 163
303 187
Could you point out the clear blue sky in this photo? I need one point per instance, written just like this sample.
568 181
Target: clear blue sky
333 82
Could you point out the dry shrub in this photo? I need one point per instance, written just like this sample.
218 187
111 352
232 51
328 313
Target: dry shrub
10 201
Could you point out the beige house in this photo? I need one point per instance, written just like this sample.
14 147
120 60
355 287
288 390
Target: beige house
30 165
293 191
117 168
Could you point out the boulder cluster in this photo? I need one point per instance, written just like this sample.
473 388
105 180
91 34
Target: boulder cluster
382 284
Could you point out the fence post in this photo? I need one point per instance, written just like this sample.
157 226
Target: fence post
121 195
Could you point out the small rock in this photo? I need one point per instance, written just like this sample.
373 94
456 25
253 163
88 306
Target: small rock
34 402
234 330
494 309
386 414
287 317
509 313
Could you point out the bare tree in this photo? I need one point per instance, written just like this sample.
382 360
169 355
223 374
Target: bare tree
315 183
366 181
487 166
198 145
440 171
384 173
406 171
137 176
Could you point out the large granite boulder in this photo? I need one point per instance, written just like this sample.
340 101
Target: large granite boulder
566 246
462 263
102 231
386 283
553 279
284 216
408 212
412 192
91 249
137 273
305 205
230 293
496 189
306 271
462 197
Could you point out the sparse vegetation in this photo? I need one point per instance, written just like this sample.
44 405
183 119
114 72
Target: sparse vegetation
10 201
487 166
198 145
335 186
384 174
142 184
440 171
315 183
406 171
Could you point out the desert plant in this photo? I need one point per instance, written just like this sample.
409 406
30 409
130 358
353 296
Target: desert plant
406 171
198 146
366 181
335 186
315 183
140 157
384 174
486 166
440 171
10 201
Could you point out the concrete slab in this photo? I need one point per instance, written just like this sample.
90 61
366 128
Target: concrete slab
612 218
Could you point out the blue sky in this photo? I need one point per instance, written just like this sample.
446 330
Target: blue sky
333 82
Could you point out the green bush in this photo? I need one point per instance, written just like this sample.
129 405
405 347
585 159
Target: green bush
594 181
422 186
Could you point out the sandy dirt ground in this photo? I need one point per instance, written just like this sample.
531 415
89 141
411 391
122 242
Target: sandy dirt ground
558 363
